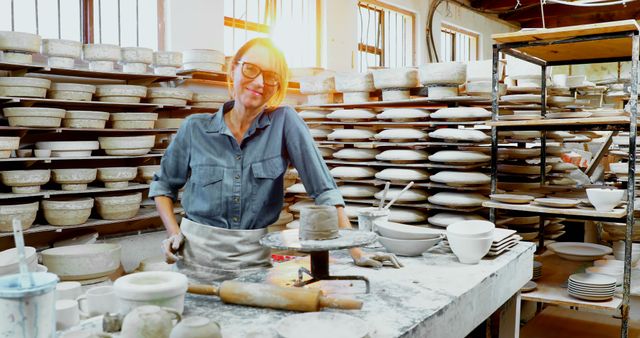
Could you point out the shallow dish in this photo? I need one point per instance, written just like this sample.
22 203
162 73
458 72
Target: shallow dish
409 247
557 202
577 251
512 198
81 262
395 230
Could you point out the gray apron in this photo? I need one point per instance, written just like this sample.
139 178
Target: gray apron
216 254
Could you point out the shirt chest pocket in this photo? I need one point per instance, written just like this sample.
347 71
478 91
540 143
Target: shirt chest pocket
207 187
266 187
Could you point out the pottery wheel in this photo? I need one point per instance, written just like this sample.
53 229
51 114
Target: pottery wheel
319 252
288 240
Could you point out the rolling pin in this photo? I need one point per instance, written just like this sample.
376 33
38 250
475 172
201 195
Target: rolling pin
275 297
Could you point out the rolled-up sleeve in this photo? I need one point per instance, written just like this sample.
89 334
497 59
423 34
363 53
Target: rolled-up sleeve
306 158
174 167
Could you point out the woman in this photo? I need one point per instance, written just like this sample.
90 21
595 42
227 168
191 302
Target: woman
232 165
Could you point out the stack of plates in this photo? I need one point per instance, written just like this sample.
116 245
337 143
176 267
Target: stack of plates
591 286
503 239
537 270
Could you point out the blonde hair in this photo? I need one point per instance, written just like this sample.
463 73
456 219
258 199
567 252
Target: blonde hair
282 70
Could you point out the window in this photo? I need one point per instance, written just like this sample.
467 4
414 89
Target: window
385 36
123 22
54 19
457 44
126 23
292 24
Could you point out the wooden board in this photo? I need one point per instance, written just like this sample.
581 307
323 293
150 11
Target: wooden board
377 144
587 50
551 286
567 32
421 102
407 165
92 130
90 190
418 184
556 322
562 122
49 159
617 213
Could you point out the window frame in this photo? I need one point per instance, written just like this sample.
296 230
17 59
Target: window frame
264 28
454 31
380 7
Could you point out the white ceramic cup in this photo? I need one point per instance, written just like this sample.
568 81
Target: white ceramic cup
67 313
42 152
68 290
98 301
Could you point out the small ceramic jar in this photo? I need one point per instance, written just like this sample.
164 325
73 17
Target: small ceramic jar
196 327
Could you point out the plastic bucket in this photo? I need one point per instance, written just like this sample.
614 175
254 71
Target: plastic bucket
30 312
367 216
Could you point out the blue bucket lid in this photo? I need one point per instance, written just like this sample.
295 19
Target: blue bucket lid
43 282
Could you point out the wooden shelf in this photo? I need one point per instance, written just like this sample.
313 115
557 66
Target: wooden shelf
418 205
386 124
586 213
80 130
69 104
564 123
425 165
14 66
552 285
143 214
377 144
418 184
618 42
49 159
90 190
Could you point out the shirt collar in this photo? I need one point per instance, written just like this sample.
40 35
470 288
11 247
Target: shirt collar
217 123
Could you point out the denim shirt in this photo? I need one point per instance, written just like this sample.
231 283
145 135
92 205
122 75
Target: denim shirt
234 186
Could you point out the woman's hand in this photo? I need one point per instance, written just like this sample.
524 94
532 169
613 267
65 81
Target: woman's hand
374 260
170 247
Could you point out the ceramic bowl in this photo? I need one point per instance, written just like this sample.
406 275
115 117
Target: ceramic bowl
167 59
62 212
69 148
635 255
117 177
101 52
19 41
73 179
411 247
7 144
85 119
145 172
62 48
9 260
118 207
127 145
196 327
162 288
34 116
25 181
403 231
26 213
605 200
469 250
471 229
81 262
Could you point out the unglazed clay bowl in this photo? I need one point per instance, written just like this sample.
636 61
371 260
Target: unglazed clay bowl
8 144
354 82
71 91
146 172
74 179
319 84
136 55
118 207
61 212
85 119
409 247
69 148
81 262
34 116
117 177
62 48
395 78
9 261
167 59
404 232
101 52
26 213
133 120
25 181
605 200
469 250
443 73
172 93
471 229
202 55
127 145
121 91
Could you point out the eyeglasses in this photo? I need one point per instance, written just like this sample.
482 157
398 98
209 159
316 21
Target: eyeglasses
252 71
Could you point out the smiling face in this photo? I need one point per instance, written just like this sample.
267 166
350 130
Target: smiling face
254 93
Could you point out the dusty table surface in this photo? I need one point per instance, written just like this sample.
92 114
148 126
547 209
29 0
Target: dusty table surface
431 296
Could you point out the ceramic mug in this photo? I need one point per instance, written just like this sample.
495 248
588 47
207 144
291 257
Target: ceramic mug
68 290
99 300
196 327
149 321
67 313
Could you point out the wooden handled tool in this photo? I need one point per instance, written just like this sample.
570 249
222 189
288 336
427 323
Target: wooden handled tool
275 297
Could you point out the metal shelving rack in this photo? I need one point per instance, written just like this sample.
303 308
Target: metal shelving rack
594 43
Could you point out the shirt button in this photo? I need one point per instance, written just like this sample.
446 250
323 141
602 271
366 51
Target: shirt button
236 199
238 157
235 219
237 176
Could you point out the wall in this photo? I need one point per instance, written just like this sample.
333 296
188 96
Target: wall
193 24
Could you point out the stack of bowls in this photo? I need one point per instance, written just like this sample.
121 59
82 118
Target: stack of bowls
470 240
406 240
618 251
537 270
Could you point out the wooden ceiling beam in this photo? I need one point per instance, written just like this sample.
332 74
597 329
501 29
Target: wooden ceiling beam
555 10
570 20
502 5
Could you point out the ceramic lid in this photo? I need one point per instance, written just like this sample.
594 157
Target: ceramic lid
458 199
402 155
360 172
360 154
352 114
411 195
402 174
459 156
401 133
406 215
353 190
351 134
402 113
461 113
459 134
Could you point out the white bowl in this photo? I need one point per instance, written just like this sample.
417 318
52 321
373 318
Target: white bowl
9 260
604 200
469 250
471 229
80 262
408 247
162 288
403 231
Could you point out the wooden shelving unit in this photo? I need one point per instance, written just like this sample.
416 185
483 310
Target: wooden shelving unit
596 43
45 194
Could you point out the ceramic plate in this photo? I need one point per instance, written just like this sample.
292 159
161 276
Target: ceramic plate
523 89
521 98
557 202
592 298
511 198
519 117
322 324
594 279
577 251
530 286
